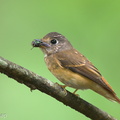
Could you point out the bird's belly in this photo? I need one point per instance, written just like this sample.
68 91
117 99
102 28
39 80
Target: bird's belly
66 76
72 79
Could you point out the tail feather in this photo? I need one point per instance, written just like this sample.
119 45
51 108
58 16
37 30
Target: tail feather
115 98
111 92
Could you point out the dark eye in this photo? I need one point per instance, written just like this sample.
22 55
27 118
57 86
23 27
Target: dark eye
53 41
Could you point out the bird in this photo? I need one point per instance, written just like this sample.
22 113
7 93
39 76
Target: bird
71 67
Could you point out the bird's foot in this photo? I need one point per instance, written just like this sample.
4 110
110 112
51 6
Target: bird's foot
63 87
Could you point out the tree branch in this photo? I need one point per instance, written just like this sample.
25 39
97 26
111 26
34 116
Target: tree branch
34 81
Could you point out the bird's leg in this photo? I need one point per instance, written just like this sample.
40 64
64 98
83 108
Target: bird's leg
62 86
75 92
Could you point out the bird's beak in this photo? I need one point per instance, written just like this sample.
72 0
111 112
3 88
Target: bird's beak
39 43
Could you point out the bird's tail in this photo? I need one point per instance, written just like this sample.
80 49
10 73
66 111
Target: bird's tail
112 94
114 98
107 93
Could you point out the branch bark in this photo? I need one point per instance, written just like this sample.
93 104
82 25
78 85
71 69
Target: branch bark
34 81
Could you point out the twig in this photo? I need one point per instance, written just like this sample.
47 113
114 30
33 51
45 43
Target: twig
34 81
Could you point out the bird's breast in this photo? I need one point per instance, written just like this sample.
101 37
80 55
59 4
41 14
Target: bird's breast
66 76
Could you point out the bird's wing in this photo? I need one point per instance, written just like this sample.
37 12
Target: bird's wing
76 62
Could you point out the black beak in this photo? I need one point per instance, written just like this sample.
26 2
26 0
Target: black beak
38 43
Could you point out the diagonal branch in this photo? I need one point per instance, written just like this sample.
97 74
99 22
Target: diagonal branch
34 81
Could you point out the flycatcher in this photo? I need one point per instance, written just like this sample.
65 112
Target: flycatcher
71 67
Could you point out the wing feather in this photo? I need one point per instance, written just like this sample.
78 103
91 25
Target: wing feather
76 62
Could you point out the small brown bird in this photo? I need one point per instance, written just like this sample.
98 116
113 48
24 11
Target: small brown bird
71 67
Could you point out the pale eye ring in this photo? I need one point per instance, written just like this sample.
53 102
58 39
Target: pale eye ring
54 41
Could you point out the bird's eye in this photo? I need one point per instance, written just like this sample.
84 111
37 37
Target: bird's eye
53 41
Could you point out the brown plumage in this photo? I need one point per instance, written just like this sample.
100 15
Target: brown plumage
71 67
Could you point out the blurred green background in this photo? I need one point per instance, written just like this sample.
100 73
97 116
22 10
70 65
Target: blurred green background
92 26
